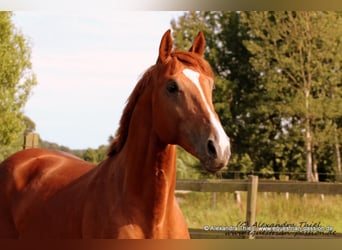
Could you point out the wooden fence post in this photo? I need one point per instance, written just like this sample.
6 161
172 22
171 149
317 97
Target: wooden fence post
31 140
252 192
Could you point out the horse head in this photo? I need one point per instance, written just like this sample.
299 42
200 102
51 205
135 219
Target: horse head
182 108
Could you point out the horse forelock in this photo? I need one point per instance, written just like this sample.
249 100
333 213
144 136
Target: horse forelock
193 60
172 65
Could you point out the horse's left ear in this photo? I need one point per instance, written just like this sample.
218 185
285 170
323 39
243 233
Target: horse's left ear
198 45
165 47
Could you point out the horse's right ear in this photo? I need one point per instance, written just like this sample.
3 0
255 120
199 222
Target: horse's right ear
165 47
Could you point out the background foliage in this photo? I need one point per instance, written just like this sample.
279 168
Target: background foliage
16 81
278 87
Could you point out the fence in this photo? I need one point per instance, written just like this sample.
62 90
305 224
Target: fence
31 140
226 185
252 186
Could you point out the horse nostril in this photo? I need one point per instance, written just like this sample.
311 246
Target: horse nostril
212 149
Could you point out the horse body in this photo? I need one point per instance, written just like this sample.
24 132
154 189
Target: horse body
49 194
74 199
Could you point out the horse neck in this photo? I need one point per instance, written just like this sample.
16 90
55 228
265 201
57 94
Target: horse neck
145 167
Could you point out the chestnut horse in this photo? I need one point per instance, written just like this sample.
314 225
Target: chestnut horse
50 194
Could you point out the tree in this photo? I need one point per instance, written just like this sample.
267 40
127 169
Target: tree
264 63
237 91
298 57
16 81
90 155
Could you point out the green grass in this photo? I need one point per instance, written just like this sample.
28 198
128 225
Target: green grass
271 208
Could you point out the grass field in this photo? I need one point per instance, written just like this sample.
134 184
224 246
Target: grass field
199 210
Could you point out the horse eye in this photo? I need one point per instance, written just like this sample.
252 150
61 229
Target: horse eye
172 87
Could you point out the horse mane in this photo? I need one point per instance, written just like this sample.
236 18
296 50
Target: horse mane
186 58
122 132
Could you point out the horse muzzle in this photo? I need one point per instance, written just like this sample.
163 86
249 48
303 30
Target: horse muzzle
217 155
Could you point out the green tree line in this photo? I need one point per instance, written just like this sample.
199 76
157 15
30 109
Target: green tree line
278 88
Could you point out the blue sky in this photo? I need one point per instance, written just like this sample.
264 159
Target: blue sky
87 63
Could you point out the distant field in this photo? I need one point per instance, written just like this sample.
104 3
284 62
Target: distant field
199 211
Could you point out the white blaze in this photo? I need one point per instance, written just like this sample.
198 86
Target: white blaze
222 137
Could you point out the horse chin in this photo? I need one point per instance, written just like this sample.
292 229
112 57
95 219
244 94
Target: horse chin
212 166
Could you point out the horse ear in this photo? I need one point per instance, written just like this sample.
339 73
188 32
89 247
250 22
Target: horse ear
165 47
198 45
